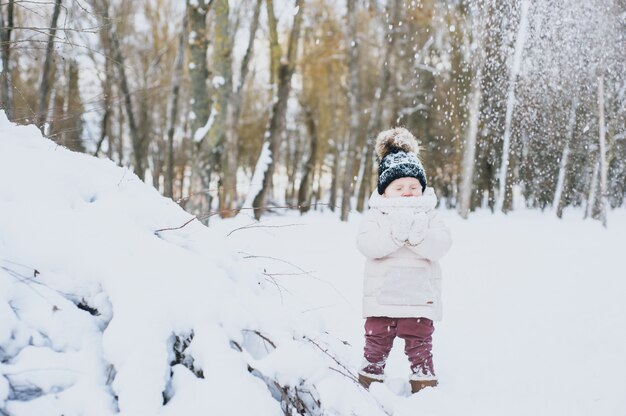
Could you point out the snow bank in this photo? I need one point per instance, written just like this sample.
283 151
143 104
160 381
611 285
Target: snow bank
102 314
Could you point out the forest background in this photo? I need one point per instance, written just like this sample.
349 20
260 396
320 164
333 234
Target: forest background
233 105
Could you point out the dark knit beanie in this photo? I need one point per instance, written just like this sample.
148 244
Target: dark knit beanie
397 150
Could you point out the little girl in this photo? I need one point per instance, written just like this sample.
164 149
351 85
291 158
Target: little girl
402 238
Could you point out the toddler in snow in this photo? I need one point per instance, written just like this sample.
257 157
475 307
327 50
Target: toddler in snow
402 238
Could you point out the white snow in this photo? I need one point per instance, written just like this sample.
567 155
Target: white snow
533 306
256 183
218 81
201 133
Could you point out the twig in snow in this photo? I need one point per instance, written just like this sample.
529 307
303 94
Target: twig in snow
325 351
280 288
229 211
175 228
260 226
35 271
253 256
351 377
28 282
284 274
269 341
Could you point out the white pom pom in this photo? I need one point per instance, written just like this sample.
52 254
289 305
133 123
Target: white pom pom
396 139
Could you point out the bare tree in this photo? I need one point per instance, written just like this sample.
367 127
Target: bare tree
225 127
173 118
275 127
223 83
377 104
469 152
200 100
557 201
73 117
304 193
6 27
139 139
354 104
516 62
229 165
604 166
46 74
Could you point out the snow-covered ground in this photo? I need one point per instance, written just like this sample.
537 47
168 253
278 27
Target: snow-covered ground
93 301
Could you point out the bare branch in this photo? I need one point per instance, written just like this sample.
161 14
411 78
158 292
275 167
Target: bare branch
325 351
269 341
261 226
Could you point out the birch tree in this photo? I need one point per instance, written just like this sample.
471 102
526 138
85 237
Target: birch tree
557 201
603 164
516 62
473 115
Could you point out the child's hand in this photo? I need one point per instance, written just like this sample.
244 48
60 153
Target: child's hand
401 219
418 230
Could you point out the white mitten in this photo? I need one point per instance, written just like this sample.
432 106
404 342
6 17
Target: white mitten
401 219
418 230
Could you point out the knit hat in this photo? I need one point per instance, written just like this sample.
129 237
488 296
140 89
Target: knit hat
397 150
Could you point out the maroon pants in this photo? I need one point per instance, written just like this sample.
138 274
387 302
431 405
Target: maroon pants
417 333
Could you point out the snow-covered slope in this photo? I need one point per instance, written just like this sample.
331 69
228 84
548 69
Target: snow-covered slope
93 301
100 313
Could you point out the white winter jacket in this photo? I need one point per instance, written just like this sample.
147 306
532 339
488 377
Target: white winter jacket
401 280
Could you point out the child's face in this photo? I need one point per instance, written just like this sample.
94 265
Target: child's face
403 187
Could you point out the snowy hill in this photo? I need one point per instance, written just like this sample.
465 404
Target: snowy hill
102 314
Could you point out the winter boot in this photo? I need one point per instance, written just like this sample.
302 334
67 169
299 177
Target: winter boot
417 385
422 378
367 378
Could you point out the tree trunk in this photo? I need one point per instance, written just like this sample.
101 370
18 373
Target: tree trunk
223 82
558 200
73 118
510 106
105 125
200 104
229 161
354 105
593 188
603 202
46 74
276 124
139 142
377 106
305 192
469 151
334 186
178 72
6 96
107 95
275 50
295 150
